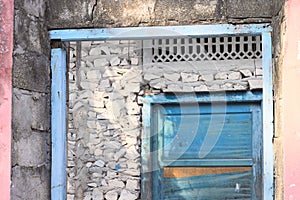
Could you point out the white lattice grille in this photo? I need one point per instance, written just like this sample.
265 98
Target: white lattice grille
201 49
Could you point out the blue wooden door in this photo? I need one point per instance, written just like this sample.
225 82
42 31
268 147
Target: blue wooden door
207 151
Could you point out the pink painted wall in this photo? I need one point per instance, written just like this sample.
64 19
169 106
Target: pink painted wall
291 101
6 43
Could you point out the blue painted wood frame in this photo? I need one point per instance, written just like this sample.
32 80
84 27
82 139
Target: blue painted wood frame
58 124
157 32
196 31
149 164
268 167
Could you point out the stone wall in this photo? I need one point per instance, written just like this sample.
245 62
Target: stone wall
31 103
107 82
31 76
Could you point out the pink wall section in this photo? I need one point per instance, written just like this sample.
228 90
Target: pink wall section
291 101
6 42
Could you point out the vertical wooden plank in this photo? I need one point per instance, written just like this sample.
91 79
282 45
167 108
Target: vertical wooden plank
268 166
58 124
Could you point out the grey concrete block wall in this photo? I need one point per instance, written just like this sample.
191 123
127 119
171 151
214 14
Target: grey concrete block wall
31 103
31 74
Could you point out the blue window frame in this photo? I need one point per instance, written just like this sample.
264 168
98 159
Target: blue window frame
222 138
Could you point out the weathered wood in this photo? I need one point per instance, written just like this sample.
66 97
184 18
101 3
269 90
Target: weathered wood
58 124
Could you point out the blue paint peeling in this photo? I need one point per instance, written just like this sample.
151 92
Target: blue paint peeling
58 124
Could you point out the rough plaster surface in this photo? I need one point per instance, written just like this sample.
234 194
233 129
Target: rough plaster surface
96 13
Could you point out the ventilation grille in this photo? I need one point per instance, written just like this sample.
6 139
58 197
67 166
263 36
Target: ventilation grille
202 49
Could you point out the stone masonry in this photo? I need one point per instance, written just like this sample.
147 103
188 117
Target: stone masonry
107 82
30 178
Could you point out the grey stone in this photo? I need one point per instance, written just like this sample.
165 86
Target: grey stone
255 84
134 61
102 62
221 76
100 163
33 179
126 195
115 61
25 148
207 77
149 76
201 88
111 195
251 8
97 194
189 77
116 50
132 185
104 84
93 74
116 184
36 105
234 76
246 73
172 76
31 72
258 72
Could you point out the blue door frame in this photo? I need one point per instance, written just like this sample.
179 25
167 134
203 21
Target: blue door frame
58 64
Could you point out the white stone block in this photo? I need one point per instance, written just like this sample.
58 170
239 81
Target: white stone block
98 152
119 154
97 194
111 195
235 76
173 88
221 76
207 77
100 163
134 61
187 88
227 86
150 76
104 84
132 185
96 103
246 73
102 62
132 87
115 61
214 87
132 108
89 85
95 51
93 75
189 77
255 84
116 184
126 195
116 50
258 72
158 83
124 62
110 73
201 88
239 87
172 77
132 153
92 184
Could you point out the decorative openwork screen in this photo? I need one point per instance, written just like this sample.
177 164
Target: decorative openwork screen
205 48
